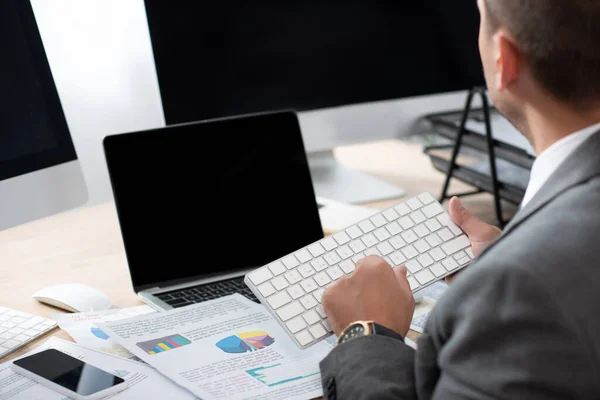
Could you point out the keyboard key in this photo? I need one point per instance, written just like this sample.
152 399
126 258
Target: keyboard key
290 311
369 240
402 209
421 230
311 317
397 242
464 261
280 283
433 240
445 234
378 220
437 254
327 325
277 268
432 210
342 238
322 279
266 289
406 222
295 291
433 225
320 311
304 338
358 257
414 203
410 252
450 264
426 198
296 325
422 246
438 270
317 331
391 215
21 338
309 302
382 234
424 277
319 264
418 217
398 258
303 256
470 252
366 226
309 284
319 294
293 277
445 220
257 277
278 300
354 232
347 266
345 252
372 252
335 273
459 255
413 266
16 330
393 228
290 262
328 243
306 270
413 283
425 260
409 236
9 344
385 248
316 250
332 258
455 245
357 246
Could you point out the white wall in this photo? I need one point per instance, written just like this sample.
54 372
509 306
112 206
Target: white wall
101 58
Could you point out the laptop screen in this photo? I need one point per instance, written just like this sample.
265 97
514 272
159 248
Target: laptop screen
206 198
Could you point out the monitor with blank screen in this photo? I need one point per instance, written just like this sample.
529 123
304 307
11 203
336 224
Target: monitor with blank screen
40 173
345 67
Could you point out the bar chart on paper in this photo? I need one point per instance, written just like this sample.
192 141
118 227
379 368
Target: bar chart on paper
278 374
166 343
244 342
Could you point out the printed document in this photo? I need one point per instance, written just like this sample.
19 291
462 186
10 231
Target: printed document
228 348
430 296
83 328
143 381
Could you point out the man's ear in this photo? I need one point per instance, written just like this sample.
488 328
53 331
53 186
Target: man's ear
508 60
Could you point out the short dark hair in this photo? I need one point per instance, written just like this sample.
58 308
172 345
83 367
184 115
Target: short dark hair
560 40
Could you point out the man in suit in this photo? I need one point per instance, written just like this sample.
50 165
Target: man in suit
523 320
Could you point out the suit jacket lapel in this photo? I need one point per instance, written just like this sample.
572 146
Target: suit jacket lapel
582 165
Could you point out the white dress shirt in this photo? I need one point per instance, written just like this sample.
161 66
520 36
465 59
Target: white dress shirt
551 158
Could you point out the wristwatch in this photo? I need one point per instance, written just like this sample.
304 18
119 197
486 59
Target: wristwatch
366 328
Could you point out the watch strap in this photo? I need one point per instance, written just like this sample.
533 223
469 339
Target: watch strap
383 331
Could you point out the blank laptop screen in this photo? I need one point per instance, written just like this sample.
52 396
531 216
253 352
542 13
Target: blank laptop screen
201 199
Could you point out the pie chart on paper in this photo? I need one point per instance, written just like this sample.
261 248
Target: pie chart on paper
99 333
245 342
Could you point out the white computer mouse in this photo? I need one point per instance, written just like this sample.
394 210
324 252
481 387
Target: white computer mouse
73 297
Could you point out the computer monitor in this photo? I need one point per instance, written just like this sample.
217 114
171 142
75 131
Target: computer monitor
40 173
356 71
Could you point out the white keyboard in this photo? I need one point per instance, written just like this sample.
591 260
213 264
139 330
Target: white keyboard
417 232
18 329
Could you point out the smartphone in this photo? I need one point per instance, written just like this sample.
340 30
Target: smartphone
68 375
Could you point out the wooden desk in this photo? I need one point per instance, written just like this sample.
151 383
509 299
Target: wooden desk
85 246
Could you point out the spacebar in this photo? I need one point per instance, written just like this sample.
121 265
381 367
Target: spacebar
455 245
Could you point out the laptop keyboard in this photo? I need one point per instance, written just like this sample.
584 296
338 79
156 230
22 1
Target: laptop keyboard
208 291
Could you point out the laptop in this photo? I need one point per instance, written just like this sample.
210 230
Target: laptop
201 204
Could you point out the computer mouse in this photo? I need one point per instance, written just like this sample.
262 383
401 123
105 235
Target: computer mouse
73 297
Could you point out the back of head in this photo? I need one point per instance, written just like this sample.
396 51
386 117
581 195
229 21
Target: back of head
558 38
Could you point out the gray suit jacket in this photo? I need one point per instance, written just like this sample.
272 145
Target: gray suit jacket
521 322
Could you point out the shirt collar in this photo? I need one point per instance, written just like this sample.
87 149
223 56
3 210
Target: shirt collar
549 161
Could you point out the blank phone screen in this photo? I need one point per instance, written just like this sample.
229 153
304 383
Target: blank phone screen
68 372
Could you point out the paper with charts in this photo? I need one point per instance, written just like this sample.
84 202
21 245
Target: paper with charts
228 348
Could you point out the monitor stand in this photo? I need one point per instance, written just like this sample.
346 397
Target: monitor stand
331 180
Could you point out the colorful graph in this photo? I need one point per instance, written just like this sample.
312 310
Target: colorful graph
278 374
163 344
99 333
247 341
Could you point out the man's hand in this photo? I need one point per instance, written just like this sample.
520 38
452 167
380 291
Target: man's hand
374 291
480 233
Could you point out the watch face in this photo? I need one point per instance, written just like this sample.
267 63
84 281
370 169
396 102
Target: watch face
354 331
